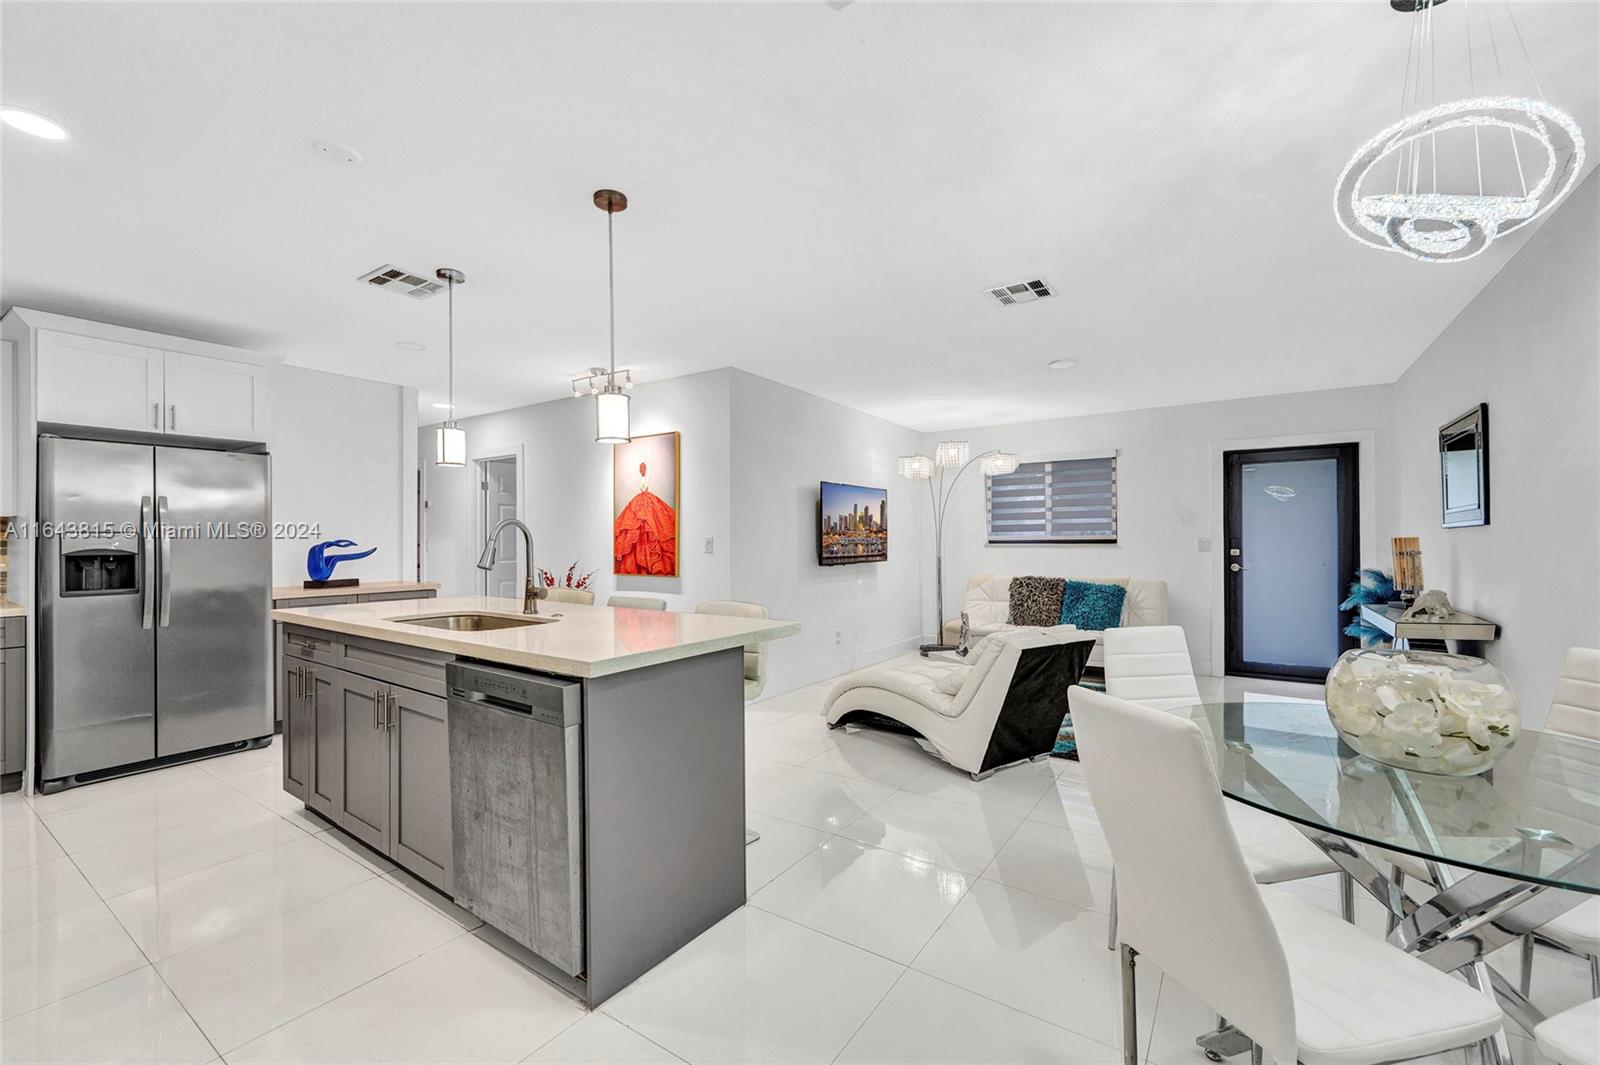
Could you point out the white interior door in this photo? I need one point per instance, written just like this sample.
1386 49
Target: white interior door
498 488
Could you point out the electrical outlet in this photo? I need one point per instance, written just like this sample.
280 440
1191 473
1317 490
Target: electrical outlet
711 545
1202 543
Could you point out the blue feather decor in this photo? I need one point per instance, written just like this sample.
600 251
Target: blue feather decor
1370 588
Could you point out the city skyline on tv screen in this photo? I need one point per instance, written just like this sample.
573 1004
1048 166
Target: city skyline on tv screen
854 524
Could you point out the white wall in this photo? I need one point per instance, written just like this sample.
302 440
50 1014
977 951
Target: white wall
339 461
1169 493
1529 346
566 490
785 442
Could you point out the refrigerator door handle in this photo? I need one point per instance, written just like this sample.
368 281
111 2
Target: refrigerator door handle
166 561
147 584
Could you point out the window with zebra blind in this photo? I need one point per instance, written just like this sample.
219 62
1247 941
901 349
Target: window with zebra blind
1060 501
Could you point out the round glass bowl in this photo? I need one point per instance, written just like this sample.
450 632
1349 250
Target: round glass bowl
1423 710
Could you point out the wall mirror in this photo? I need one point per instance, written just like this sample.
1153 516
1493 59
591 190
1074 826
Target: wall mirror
1464 469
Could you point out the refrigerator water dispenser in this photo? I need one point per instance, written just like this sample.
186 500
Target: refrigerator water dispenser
100 570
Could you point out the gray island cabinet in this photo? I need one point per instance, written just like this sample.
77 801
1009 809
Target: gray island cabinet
643 819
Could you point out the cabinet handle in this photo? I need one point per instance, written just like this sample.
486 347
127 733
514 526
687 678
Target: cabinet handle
377 709
155 415
393 701
173 414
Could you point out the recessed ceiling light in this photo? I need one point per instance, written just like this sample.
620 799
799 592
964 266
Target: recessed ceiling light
1063 364
445 406
410 345
33 124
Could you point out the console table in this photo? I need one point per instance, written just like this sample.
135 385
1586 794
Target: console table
1462 633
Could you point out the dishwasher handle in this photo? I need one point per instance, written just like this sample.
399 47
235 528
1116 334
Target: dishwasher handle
553 700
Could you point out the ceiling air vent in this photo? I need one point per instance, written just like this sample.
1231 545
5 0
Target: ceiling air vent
1020 292
402 281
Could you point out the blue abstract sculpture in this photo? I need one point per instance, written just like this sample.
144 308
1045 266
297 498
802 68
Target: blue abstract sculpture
319 564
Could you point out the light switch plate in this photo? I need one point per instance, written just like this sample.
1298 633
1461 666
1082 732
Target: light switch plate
711 545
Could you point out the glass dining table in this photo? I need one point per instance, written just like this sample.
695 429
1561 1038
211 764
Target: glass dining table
1506 850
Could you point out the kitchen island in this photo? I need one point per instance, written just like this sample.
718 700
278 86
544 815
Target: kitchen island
575 777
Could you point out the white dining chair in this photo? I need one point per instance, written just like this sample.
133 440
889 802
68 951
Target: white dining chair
570 595
1150 665
1572 1037
1575 712
1298 982
637 602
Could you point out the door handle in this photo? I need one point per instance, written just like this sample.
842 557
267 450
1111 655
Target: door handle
166 561
147 559
1235 567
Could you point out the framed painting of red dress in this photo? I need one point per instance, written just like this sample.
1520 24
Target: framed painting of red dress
644 507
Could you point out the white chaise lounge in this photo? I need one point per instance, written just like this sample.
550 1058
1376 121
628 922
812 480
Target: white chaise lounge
988 607
1003 705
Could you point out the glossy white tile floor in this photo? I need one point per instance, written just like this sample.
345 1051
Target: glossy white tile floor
899 912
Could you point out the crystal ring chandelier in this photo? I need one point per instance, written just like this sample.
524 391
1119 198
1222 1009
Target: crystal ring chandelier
1451 227
1391 194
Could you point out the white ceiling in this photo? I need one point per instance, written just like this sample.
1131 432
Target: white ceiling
819 194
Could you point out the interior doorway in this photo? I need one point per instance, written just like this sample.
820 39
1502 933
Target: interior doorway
497 499
1291 530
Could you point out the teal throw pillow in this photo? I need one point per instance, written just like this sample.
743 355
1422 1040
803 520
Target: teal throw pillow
1092 606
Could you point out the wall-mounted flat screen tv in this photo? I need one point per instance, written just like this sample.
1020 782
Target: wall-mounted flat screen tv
853 524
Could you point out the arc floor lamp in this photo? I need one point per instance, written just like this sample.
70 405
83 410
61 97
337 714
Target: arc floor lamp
950 455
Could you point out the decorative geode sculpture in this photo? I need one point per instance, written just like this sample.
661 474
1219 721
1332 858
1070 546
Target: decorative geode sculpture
1439 713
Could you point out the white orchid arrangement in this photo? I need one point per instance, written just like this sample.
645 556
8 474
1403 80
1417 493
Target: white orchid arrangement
1422 710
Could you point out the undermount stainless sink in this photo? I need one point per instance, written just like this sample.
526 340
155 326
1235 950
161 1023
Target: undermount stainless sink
474 622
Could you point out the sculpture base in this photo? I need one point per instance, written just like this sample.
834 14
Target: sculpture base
339 582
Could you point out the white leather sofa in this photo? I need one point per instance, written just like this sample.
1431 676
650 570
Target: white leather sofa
988 607
1002 706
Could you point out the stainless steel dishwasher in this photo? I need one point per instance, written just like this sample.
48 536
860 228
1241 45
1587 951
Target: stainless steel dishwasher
516 789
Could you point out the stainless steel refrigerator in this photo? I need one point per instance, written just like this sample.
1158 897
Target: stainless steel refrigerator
154 568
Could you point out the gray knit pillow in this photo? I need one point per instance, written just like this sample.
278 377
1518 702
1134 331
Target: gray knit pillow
1036 600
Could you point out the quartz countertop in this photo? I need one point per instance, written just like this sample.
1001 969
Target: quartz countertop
8 609
580 641
294 591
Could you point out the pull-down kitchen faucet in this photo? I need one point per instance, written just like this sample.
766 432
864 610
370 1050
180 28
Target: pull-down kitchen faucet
532 590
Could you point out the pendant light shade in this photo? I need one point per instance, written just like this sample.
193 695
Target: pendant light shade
449 439
611 419
450 445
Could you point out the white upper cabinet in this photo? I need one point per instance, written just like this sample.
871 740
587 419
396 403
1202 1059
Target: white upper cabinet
117 384
216 398
105 383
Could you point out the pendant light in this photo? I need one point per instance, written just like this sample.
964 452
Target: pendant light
611 422
1525 154
450 440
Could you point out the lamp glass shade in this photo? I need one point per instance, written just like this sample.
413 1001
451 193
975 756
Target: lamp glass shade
449 445
916 467
611 418
1000 463
952 453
